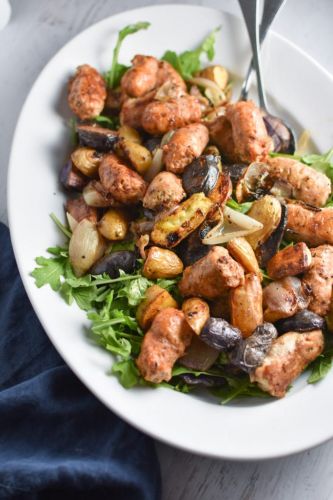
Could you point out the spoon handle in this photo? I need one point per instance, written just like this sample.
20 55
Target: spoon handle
271 8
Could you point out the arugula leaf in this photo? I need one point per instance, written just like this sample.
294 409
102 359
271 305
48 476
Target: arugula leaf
113 76
135 290
238 388
60 225
127 372
320 367
240 207
73 133
49 272
111 122
188 63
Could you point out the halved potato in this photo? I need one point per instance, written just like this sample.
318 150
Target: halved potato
196 313
114 224
162 263
242 251
86 246
129 133
290 261
246 305
266 210
139 156
171 229
217 74
155 300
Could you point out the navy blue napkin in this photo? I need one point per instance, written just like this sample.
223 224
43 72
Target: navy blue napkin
57 440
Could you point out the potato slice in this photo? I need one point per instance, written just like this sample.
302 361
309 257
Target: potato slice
196 313
162 263
268 211
246 305
242 251
155 300
85 247
114 224
171 229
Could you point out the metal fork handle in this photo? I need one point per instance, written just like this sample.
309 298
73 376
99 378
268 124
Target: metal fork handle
271 8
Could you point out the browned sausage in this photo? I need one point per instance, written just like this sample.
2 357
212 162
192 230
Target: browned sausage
287 358
164 192
86 92
141 77
186 144
315 227
290 261
161 116
124 184
163 344
308 185
284 298
249 132
166 73
132 109
220 133
210 276
246 305
319 279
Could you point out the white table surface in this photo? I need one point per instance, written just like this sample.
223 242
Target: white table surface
36 31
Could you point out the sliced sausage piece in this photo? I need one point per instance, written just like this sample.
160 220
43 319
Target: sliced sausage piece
246 305
315 227
167 73
287 358
212 275
186 144
141 77
125 185
132 109
250 136
290 261
86 92
308 184
161 116
165 191
285 298
319 279
163 344
220 133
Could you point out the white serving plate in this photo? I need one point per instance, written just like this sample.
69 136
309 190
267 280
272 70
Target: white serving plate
304 91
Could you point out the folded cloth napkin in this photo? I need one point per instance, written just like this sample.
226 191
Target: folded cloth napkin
56 440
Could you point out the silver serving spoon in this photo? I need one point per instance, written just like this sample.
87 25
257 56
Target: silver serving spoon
282 135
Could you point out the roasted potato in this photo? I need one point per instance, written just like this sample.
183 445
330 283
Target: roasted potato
86 160
303 321
290 261
201 175
126 260
86 246
241 250
267 210
162 263
155 300
139 156
199 355
246 305
99 138
171 229
220 335
217 74
129 133
196 313
114 224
